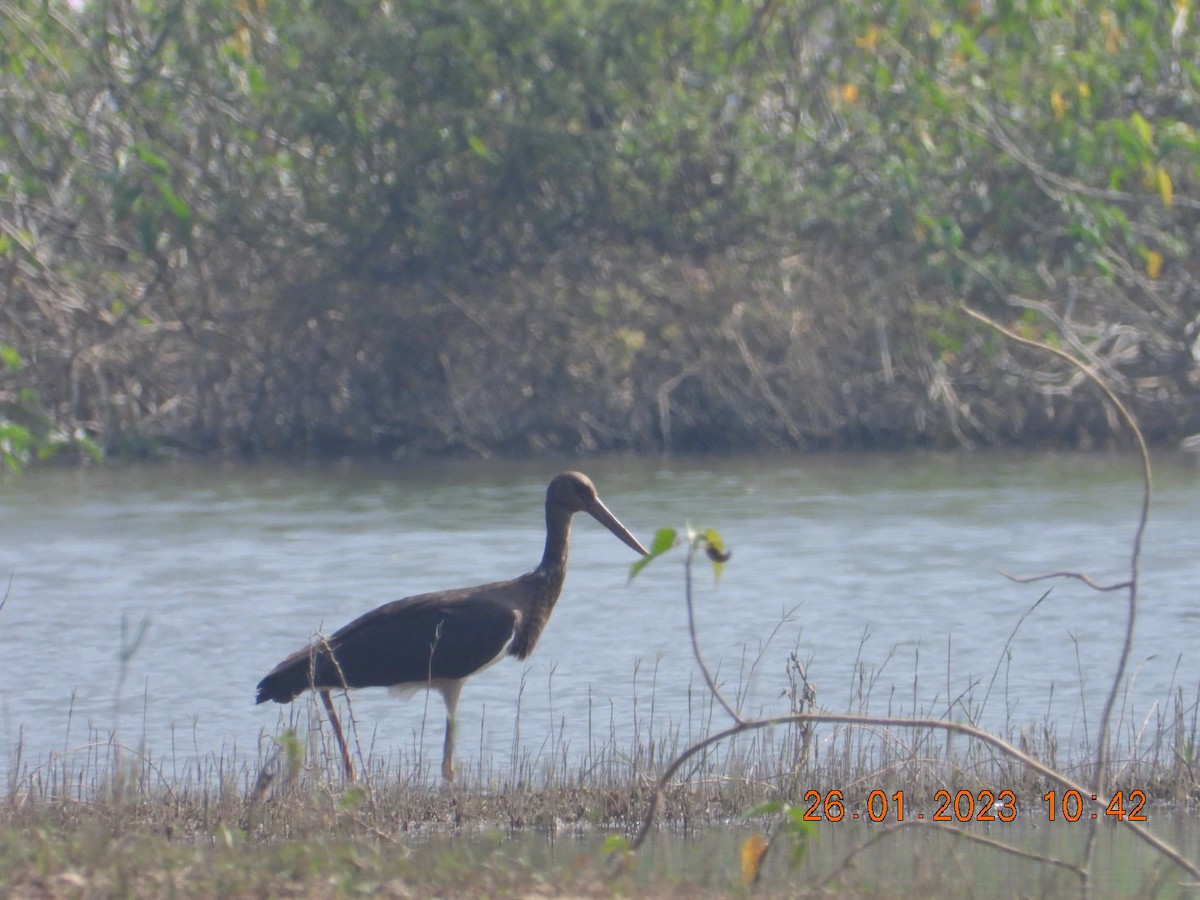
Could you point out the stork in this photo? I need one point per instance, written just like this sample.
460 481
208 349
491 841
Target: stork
438 640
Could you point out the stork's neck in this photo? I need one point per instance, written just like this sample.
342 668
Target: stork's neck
558 539
543 585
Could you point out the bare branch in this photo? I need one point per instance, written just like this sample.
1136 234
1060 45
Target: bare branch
1100 776
1101 802
704 669
1078 576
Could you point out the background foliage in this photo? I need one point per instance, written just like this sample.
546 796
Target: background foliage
529 225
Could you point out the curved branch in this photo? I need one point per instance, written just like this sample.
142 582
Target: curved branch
1078 576
1100 776
1101 802
709 679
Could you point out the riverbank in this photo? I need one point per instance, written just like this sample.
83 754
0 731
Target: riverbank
107 821
616 227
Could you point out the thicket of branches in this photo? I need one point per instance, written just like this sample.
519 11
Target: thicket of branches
548 224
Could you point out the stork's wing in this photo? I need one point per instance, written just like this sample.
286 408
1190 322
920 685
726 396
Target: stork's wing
443 635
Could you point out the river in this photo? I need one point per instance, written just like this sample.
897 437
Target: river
886 566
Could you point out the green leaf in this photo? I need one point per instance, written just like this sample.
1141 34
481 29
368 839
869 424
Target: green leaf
293 752
1145 130
639 565
355 796
615 843
150 158
796 820
175 204
90 447
256 81
11 357
769 808
478 147
664 540
802 834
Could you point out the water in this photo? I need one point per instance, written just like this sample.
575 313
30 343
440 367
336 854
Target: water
888 563
853 859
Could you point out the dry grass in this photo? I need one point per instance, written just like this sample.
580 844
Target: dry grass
104 820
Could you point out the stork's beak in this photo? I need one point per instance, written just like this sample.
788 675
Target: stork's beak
600 513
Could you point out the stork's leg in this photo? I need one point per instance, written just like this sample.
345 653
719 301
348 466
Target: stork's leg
337 733
450 691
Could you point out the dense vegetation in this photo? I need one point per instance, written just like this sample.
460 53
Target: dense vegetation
524 225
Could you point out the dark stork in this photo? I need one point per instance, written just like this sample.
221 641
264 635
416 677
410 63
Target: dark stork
436 641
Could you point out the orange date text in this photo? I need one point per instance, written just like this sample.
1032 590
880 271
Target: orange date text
880 806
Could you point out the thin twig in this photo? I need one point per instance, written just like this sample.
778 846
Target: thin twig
704 669
1008 643
1078 576
1100 776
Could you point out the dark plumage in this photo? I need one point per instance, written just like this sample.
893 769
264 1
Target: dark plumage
437 640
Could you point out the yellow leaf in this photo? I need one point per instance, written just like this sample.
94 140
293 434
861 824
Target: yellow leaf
849 93
868 39
1164 186
754 848
1058 103
1145 131
1179 26
1085 90
1113 36
1154 263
